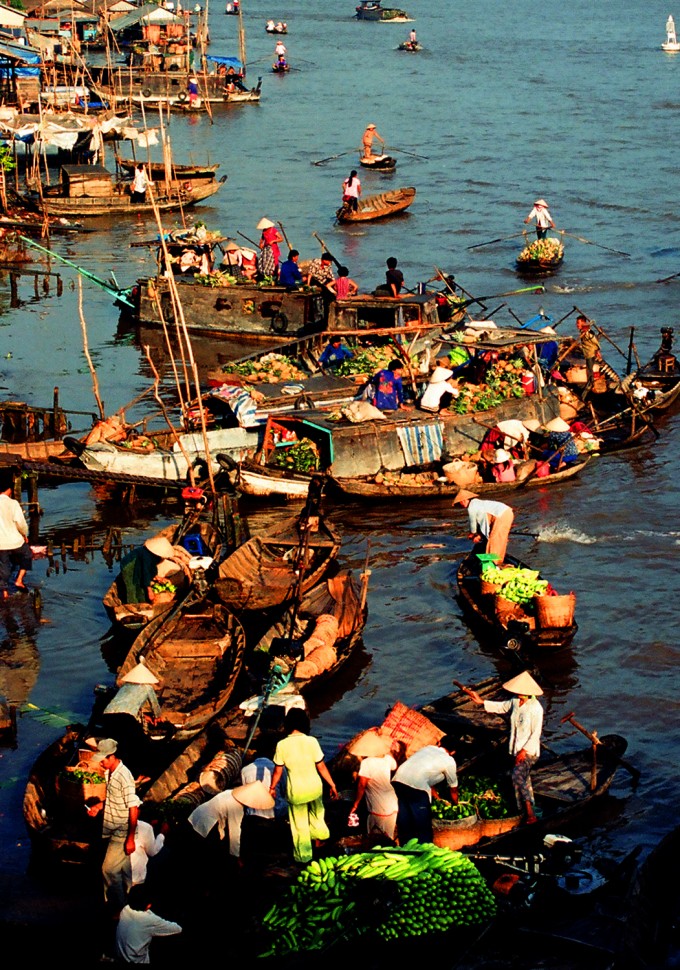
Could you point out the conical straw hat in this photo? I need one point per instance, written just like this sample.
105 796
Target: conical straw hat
440 374
557 424
463 494
139 675
254 795
523 683
265 224
160 546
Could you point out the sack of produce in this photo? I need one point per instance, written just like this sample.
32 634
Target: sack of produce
359 411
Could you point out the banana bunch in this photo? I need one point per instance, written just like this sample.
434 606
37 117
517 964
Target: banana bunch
430 890
547 248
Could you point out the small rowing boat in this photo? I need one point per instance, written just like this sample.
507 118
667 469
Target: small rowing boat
408 45
541 256
379 162
531 627
377 206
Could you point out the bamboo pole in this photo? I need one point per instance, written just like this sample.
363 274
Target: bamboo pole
83 327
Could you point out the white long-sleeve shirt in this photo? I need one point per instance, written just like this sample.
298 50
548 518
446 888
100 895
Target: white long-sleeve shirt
526 723
147 844
135 931
13 527
224 811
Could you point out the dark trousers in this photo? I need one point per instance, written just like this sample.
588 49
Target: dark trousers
414 817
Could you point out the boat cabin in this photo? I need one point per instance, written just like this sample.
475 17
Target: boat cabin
362 313
89 181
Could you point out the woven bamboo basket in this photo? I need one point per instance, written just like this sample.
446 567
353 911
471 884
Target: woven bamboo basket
456 833
489 589
555 611
496 826
74 791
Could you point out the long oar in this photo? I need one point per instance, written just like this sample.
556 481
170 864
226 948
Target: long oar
667 279
332 157
325 249
592 736
121 295
412 154
589 242
500 239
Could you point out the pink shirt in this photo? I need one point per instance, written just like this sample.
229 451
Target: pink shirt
342 287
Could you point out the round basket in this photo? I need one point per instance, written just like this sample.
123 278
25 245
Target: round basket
555 611
489 589
455 833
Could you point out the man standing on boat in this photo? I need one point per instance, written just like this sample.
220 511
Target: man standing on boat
140 184
489 521
590 347
367 140
526 724
121 813
543 218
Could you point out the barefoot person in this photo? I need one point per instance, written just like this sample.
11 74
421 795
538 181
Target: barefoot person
15 552
490 522
526 724
370 134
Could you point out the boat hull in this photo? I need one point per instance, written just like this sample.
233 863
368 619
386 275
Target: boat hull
380 206
379 162
187 193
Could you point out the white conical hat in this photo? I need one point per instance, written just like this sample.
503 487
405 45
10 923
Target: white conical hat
523 683
532 424
440 374
160 546
557 424
502 455
265 224
254 795
139 675
541 202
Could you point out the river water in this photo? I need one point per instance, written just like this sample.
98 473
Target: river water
572 102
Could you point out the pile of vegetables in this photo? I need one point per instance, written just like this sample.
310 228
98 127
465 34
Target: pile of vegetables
367 360
480 796
163 586
84 776
548 248
517 584
424 888
503 381
303 456
271 369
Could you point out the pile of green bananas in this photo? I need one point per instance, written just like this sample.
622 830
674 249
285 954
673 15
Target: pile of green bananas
480 796
427 889
518 585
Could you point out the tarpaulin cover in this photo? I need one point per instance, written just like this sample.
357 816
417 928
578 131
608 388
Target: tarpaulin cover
228 61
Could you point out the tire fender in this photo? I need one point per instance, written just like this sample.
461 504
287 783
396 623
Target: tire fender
279 323
146 92
200 470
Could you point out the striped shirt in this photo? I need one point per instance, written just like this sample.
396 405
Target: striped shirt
120 798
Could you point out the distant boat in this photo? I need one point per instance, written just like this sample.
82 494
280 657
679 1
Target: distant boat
671 46
410 45
373 10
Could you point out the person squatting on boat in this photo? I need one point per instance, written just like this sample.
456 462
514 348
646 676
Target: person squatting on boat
490 522
15 552
439 392
334 353
526 724
394 280
290 275
351 190
385 389
138 570
561 448
544 220
414 783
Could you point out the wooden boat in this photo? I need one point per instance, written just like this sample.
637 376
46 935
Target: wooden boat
194 535
374 10
408 45
89 191
377 206
415 485
156 170
277 29
278 566
279 68
378 162
33 433
196 652
510 631
541 256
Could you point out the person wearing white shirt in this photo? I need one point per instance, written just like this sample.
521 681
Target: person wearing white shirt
489 521
439 392
147 845
415 782
526 724
15 551
138 926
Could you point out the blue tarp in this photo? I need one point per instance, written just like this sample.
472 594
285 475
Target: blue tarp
227 61
29 55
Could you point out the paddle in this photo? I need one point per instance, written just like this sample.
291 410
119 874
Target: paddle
325 250
332 157
667 279
412 154
500 239
592 736
589 242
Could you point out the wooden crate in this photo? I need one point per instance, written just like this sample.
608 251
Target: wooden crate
86 181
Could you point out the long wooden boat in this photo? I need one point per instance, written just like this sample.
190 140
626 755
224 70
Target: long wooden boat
409 45
377 206
196 652
106 201
414 485
374 10
156 170
193 535
541 256
34 433
508 632
379 162
278 566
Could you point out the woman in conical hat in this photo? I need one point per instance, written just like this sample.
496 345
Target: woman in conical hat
526 724
544 220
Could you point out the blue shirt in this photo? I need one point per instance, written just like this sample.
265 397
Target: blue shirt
389 392
335 355
289 274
